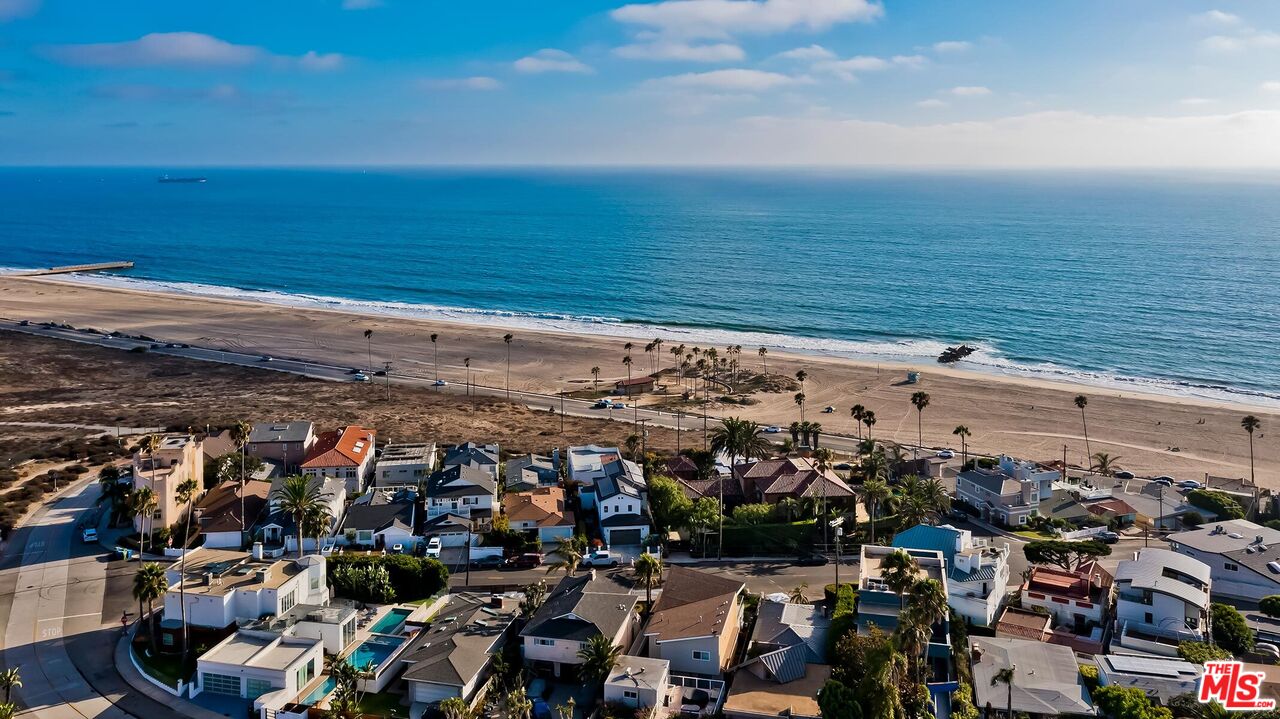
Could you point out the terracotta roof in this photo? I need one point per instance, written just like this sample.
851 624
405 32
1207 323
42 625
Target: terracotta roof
693 604
219 508
681 467
1115 506
218 444
696 489
544 506
1023 623
1060 582
346 447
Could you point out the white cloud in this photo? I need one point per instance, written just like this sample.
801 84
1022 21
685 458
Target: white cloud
550 60
14 9
970 91
478 82
1247 40
950 46
183 49
321 61
910 60
1193 101
1217 17
723 18
812 52
850 68
931 103
735 80
361 4
660 49
1270 86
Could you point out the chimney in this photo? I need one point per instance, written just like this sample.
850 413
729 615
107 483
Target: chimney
263 575
257 550
207 579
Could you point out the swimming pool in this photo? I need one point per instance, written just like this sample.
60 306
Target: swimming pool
321 691
375 651
391 622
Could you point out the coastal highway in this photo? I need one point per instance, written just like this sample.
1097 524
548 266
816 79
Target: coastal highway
691 426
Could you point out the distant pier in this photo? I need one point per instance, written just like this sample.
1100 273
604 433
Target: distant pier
93 267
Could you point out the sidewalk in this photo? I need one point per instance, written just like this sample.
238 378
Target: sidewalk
124 665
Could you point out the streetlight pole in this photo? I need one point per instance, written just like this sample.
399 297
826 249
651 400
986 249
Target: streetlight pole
835 524
561 411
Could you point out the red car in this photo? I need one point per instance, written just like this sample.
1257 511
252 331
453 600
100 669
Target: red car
531 560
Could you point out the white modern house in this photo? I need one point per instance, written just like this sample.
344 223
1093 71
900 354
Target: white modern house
1162 598
462 490
1243 557
267 668
977 571
586 465
1158 677
222 587
639 683
404 464
621 503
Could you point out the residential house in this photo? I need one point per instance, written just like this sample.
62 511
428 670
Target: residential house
1063 504
879 606
404 464
722 488
641 683
180 457
260 666
1046 677
684 468
452 658
218 444
333 624
1243 557
586 463
345 453
284 443
1162 598
381 519
531 471
476 456
1157 507
929 467
999 497
1018 623
621 503
977 571
278 529
1113 510
462 490
1158 677
772 480
1076 600
787 665
577 609
451 529
223 586
542 511
219 515
696 621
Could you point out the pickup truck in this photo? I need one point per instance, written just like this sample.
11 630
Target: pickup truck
600 558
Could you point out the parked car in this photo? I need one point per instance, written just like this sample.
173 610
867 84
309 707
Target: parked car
493 561
439 383
947 454
1189 484
361 377
600 558
1267 650
1163 478
1124 474
434 547
1165 482
773 429
811 560
380 373
1109 537
326 549
267 358
89 535
602 404
957 513
619 405
397 548
529 560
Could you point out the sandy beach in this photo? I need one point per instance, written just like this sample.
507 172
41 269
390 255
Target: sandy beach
1026 418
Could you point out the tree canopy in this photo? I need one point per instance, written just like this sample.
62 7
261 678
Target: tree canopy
838 701
1069 555
1119 702
1230 629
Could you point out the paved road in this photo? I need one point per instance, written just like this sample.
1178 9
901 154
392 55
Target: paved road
58 630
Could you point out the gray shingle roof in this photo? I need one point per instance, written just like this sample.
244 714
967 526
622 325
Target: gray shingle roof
1046 676
266 432
460 481
380 516
786 624
457 646
580 608
472 455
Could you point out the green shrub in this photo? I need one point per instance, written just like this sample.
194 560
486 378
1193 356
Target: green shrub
1089 675
761 539
411 578
1200 652
1220 503
1192 519
829 592
1270 605
1230 630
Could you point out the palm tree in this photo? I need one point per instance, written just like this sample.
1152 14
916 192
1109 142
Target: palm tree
368 344
240 432
857 412
764 359
963 433
298 496
800 403
436 349
598 657
795 433
1005 677
570 551
317 521
185 494
595 381
738 438
507 339
8 711
633 446
454 708
920 400
789 507
648 573
869 419
10 679
149 584
801 376
142 503
1104 463
898 571
1082 402
797 595
929 600
912 638
874 491
1251 423
626 360
114 492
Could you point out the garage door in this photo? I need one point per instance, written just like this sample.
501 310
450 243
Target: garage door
220 684
624 537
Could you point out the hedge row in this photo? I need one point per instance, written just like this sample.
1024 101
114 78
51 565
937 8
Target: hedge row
412 578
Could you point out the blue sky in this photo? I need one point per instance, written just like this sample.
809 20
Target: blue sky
1140 83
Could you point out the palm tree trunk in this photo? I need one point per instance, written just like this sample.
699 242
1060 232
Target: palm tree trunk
182 585
298 519
243 519
720 482
1085 424
151 630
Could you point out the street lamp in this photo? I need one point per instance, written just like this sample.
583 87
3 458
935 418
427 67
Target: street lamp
839 530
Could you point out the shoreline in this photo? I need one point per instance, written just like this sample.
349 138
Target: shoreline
982 365
1028 417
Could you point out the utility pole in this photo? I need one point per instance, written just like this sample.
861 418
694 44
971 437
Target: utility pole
679 414
561 411
386 368
836 524
644 437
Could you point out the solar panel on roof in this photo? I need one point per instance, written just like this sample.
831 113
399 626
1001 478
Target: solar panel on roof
1149 666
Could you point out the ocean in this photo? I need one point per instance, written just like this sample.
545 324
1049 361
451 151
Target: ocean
1160 282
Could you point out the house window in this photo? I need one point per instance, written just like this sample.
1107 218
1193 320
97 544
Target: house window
545 642
1022 519
289 600
629 694
700 655
1147 618
1229 566
315 582
606 509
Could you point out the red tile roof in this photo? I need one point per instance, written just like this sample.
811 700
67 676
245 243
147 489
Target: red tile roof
346 447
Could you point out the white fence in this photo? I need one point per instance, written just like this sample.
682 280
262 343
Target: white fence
1083 533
